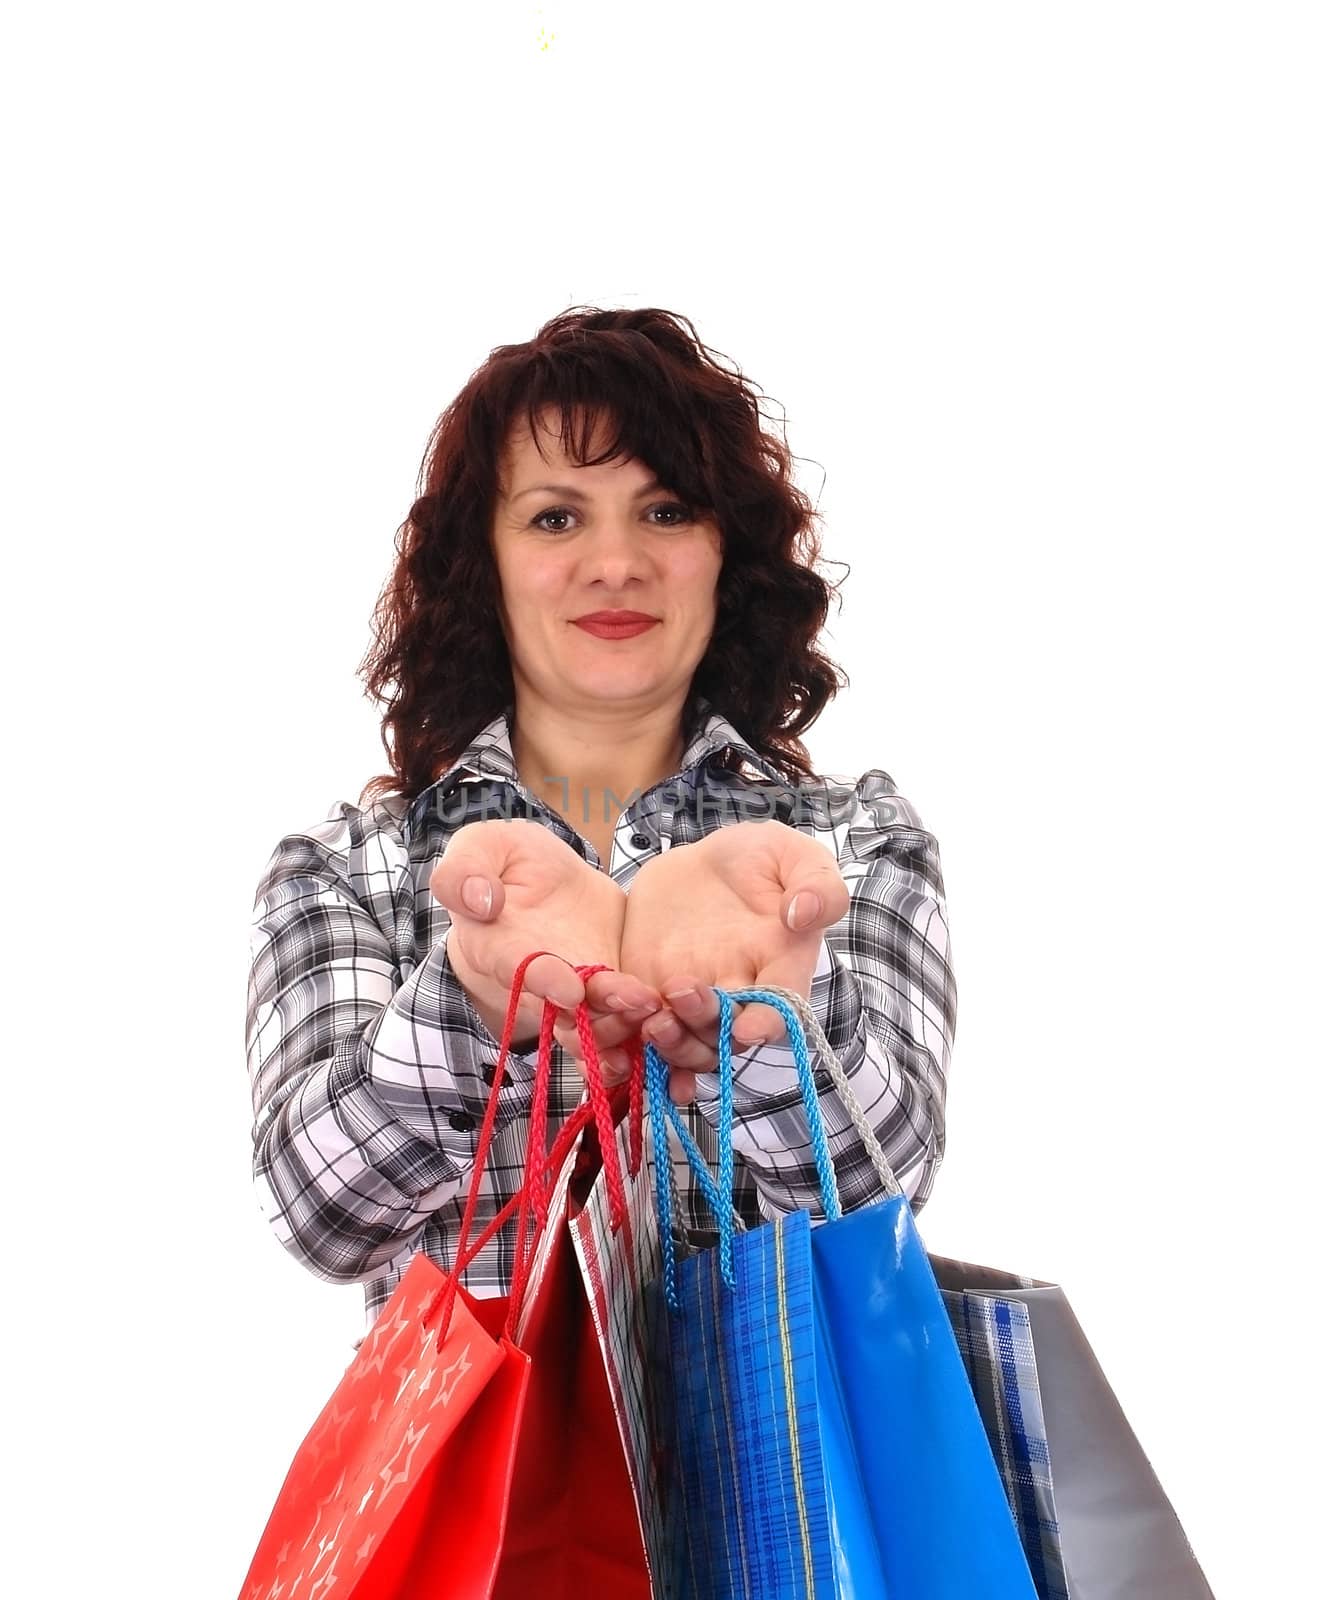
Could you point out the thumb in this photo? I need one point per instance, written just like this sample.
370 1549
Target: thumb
467 879
817 898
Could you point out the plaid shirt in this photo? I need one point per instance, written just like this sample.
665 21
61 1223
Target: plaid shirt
370 1068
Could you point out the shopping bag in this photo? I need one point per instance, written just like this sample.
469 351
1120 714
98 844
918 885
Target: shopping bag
574 1532
1095 1521
997 1350
619 1259
819 1433
404 1480
439 1466
573 1529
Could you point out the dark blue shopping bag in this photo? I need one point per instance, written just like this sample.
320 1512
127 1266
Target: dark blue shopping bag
818 1435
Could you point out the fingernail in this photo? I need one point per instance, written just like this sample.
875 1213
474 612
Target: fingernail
683 997
477 893
803 910
615 1002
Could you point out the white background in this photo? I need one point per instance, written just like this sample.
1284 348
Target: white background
1039 287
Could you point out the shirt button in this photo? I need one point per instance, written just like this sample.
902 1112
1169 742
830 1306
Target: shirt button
641 841
461 1121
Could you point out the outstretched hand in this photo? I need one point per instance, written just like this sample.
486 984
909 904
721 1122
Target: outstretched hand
745 906
513 887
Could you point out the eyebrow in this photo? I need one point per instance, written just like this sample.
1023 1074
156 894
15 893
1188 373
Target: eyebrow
570 492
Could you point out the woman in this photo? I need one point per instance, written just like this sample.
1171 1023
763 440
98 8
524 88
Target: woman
600 632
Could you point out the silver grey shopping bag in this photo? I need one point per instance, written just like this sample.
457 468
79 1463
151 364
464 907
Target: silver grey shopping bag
1037 1382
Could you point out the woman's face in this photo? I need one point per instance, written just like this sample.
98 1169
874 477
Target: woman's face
571 541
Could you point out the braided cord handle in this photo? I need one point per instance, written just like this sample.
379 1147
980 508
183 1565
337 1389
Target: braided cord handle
800 1019
843 1084
532 1201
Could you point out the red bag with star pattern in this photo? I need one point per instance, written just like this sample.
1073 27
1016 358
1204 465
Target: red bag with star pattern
456 1456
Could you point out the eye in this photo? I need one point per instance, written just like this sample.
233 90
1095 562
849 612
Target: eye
555 511
683 512
683 515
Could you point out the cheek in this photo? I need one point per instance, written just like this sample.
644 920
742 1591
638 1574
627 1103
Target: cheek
528 583
695 573
697 561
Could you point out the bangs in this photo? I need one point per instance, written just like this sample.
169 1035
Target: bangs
627 413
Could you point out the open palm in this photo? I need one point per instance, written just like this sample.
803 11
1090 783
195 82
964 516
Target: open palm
716 913
541 896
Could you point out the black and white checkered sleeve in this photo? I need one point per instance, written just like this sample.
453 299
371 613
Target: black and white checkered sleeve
367 1092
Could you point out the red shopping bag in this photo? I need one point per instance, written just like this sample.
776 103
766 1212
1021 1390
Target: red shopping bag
459 1453
574 1532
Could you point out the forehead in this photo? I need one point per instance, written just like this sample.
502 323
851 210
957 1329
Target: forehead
523 454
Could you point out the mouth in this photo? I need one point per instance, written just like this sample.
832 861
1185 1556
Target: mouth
616 624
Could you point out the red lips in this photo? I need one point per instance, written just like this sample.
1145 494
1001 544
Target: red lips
616 616
615 624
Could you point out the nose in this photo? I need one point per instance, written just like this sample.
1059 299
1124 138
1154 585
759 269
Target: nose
614 555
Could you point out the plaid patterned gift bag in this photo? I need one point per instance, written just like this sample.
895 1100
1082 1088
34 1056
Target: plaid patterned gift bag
995 1343
818 1435
619 1259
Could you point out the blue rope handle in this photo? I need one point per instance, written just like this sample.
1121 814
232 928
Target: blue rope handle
720 1194
661 1108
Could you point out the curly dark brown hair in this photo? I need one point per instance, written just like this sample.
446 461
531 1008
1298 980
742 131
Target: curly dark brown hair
439 660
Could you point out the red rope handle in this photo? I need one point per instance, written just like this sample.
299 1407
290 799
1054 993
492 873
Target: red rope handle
446 1297
571 1130
532 1200
535 1192
635 1083
598 1098
541 1165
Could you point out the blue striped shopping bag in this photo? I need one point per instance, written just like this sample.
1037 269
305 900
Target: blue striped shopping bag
817 1431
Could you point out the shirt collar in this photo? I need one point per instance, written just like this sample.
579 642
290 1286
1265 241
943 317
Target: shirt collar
489 756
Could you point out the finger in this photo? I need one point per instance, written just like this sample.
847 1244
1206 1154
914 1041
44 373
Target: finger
617 991
694 1004
690 1054
664 1032
695 1017
757 1025
693 1045
567 1035
614 1066
699 1013
547 977
681 1087
609 1030
697 1048
751 1024
794 970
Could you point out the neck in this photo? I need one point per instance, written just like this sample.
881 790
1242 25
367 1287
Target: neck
589 763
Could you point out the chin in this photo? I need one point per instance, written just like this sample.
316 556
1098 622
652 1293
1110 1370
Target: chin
615 683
